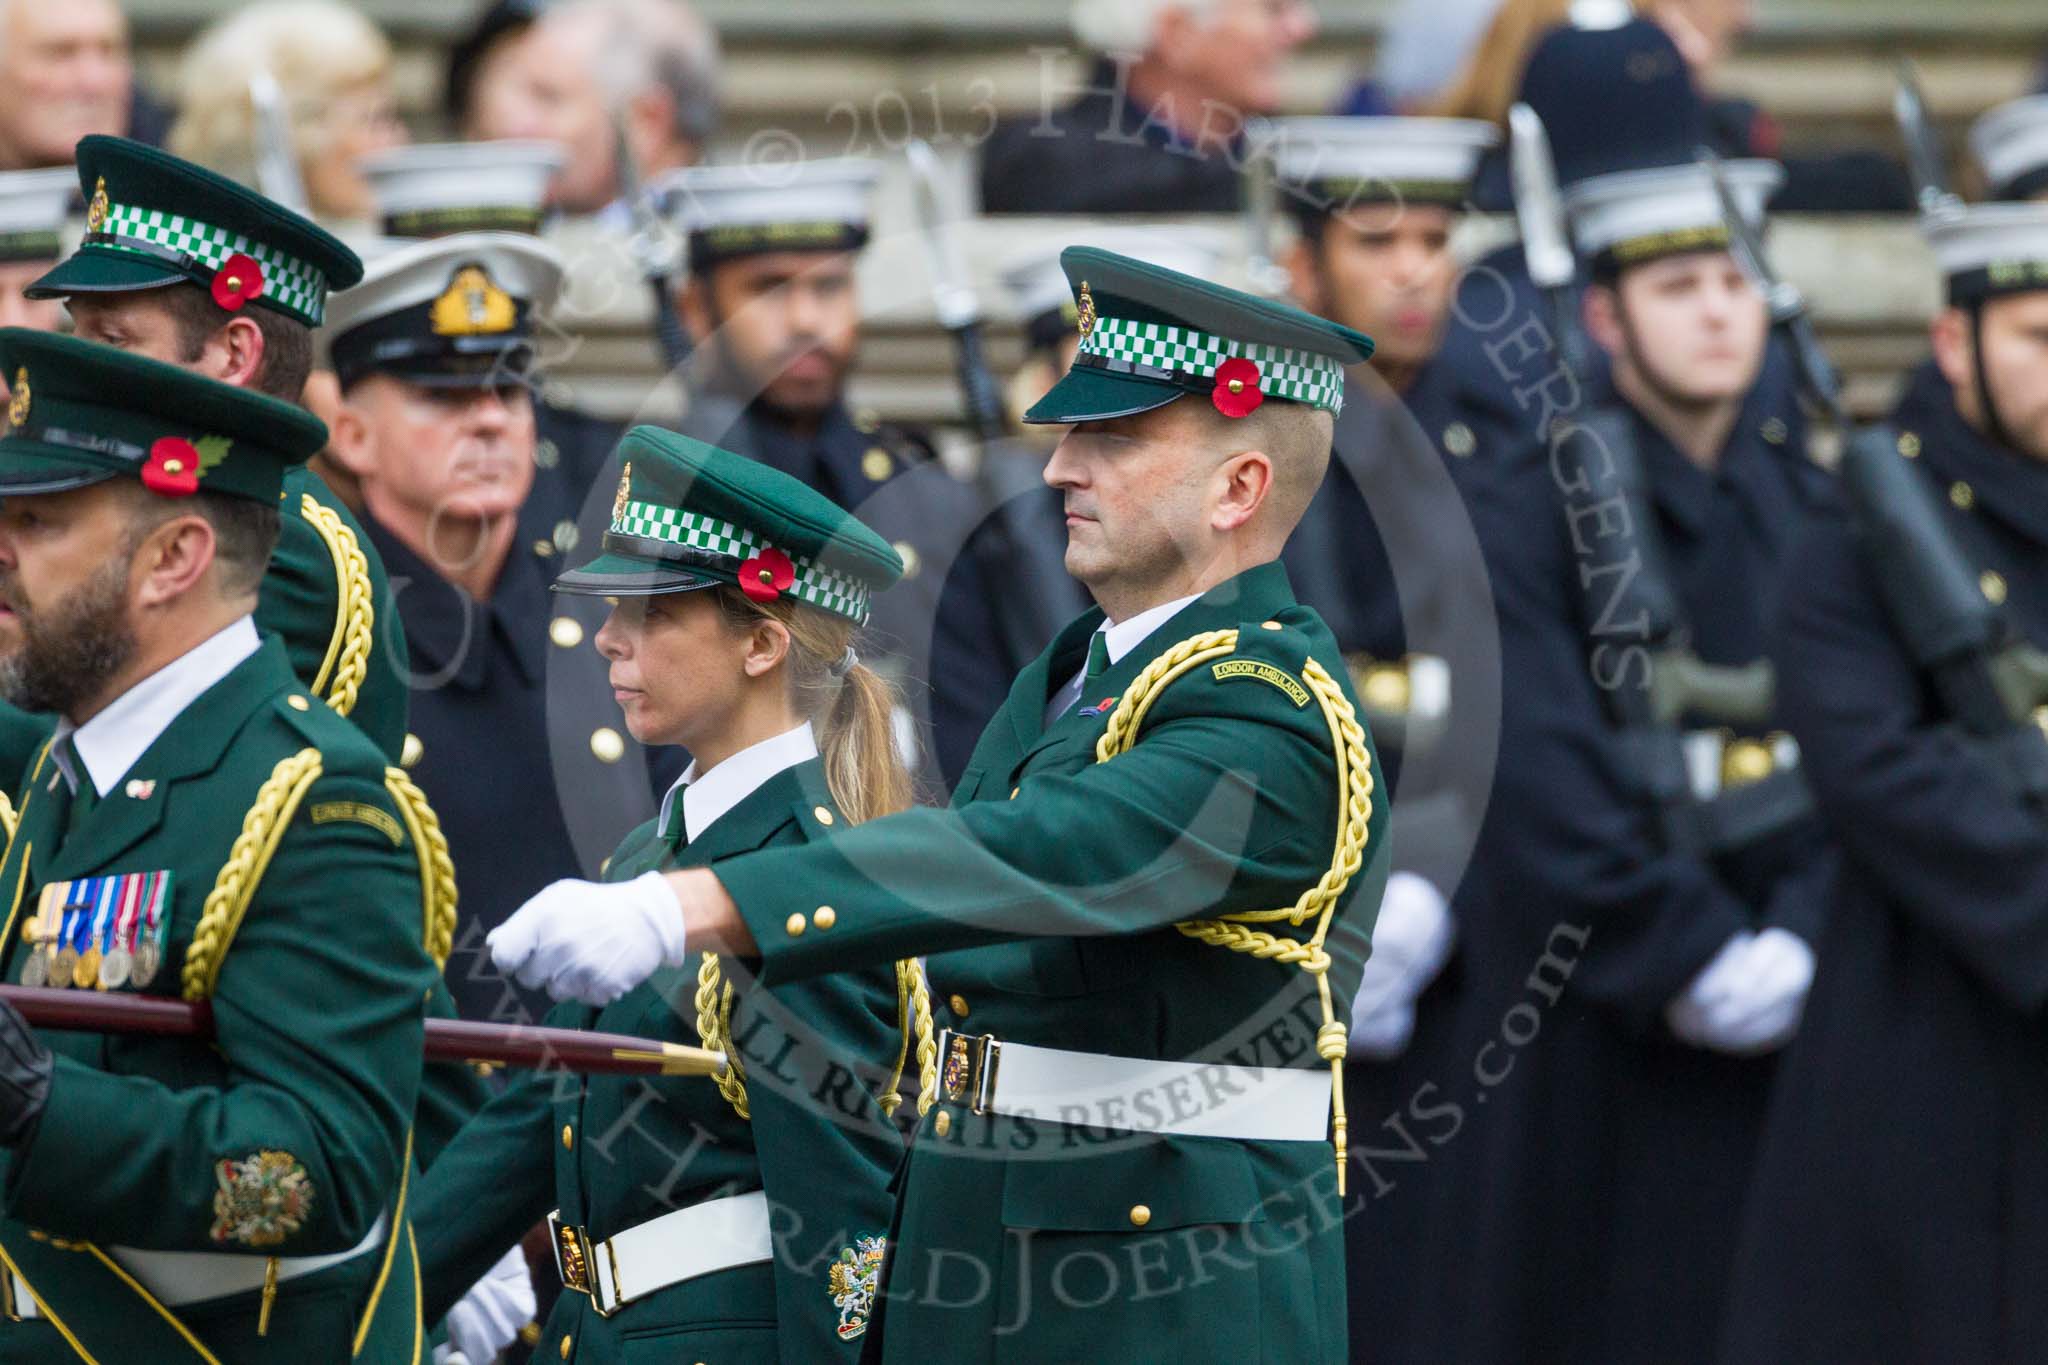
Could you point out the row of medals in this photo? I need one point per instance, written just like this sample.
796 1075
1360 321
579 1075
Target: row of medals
88 968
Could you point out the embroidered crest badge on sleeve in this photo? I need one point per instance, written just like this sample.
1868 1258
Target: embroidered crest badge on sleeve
262 1199
852 1282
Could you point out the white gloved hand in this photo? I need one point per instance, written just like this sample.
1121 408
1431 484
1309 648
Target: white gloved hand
487 1319
1748 999
591 941
1411 941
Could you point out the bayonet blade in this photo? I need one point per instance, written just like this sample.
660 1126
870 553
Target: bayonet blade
1539 207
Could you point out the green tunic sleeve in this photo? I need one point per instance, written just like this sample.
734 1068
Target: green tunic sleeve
1226 804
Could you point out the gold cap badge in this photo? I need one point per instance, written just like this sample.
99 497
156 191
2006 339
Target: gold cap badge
473 305
96 211
625 492
1086 318
17 405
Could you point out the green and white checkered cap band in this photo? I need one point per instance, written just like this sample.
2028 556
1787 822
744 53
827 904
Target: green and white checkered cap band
821 587
288 282
1302 376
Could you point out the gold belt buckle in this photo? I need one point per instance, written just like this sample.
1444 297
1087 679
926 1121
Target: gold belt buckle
968 1075
572 1257
573 1250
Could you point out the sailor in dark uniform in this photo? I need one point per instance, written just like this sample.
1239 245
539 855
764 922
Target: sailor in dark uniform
1900 1209
515 743
1659 874
772 302
1388 555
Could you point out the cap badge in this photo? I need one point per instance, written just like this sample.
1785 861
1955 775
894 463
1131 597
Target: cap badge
473 306
1085 319
17 406
625 492
96 211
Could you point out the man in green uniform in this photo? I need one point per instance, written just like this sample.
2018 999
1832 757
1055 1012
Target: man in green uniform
200 826
1149 901
185 266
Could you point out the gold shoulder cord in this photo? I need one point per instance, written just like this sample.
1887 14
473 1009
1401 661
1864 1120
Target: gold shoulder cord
277 801
8 820
1354 807
914 1020
714 1026
355 617
437 870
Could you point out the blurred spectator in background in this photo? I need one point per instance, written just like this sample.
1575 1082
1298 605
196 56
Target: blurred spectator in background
65 71
334 69
1422 49
1705 33
478 61
1160 115
589 68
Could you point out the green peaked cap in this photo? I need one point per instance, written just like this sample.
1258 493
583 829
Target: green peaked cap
1151 335
152 219
83 413
687 515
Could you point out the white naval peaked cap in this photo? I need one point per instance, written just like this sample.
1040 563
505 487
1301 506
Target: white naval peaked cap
1638 215
1381 158
1990 249
430 189
33 206
2011 145
1038 286
437 311
798 206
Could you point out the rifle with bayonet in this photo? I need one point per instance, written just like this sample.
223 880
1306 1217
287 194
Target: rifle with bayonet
1990 679
277 158
1924 159
653 249
1039 596
1637 594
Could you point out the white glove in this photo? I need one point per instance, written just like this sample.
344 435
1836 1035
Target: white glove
1411 941
1748 999
487 1319
591 941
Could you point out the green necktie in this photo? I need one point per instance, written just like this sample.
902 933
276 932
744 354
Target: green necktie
82 797
677 834
1098 659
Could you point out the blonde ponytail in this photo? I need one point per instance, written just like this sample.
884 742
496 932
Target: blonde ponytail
853 709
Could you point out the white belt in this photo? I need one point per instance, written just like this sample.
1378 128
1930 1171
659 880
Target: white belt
714 1235
178 1278
1136 1094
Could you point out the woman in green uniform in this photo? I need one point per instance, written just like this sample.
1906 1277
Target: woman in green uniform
738 1217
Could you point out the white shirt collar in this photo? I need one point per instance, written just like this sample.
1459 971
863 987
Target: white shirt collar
122 732
714 793
1127 635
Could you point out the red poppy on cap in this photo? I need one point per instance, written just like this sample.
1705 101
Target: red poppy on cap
1237 391
765 577
239 279
172 468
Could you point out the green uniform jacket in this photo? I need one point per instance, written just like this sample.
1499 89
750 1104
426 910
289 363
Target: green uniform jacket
326 594
308 1088
1059 880
615 1151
